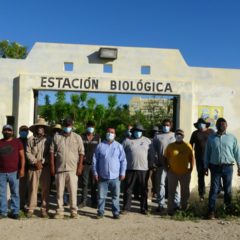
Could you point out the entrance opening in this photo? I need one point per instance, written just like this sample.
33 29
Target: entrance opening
107 109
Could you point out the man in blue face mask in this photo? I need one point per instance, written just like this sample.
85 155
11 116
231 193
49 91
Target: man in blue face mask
90 141
160 143
137 154
109 167
67 153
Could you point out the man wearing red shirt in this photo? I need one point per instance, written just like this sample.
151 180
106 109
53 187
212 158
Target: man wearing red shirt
12 163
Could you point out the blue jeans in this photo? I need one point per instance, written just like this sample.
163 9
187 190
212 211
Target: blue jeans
161 180
113 185
13 181
217 172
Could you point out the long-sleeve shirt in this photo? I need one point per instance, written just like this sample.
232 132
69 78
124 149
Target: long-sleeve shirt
109 160
221 149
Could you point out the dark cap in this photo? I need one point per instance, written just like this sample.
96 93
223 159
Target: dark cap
7 126
179 132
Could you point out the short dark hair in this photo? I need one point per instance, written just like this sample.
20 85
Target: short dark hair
220 120
167 120
67 122
90 124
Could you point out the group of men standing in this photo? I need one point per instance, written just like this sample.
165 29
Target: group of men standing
66 156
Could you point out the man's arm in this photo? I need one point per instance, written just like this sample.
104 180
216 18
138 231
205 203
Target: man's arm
80 165
94 165
123 163
22 163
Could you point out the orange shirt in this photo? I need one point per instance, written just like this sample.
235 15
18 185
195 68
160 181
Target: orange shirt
179 157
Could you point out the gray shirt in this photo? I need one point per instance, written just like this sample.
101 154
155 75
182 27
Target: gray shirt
160 143
137 153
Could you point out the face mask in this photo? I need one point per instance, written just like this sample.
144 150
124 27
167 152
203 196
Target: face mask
23 134
90 129
7 135
110 136
67 129
137 134
201 126
179 138
166 129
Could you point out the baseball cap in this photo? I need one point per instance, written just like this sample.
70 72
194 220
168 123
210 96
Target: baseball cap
7 126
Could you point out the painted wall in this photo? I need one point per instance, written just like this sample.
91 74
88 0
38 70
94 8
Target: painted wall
44 69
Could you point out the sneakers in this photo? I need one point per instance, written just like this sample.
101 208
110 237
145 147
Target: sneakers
3 216
99 216
29 214
116 216
211 216
74 215
14 216
59 216
82 205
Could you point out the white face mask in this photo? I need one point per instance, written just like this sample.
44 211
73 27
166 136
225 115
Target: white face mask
202 126
179 138
67 129
110 136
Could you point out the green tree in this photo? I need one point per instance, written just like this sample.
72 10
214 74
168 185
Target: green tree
12 50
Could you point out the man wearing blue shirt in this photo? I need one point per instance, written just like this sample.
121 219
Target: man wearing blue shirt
221 152
109 167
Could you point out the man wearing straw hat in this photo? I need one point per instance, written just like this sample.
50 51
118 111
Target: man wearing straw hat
38 155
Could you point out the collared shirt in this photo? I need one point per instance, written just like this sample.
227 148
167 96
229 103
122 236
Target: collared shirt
38 149
222 149
137 153
109 160
67 150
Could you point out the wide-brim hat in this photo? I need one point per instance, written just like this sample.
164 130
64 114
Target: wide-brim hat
57 126
40 123
199 121
138 127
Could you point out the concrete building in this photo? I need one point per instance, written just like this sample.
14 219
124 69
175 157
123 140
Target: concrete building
197 91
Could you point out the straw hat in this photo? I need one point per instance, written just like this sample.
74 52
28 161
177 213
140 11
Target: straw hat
57 126
40 123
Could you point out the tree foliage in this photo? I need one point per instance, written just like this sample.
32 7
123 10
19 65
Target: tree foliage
83 108
12 50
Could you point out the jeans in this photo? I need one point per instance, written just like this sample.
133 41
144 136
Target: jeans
13 181
113 185
161 181
201 177
217 172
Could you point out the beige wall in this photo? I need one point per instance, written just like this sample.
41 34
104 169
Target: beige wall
195 86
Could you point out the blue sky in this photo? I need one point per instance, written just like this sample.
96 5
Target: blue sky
206 32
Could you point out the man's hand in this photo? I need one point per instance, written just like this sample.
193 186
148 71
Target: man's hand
39 165
21 173
121 178
96 178
80 170
206 171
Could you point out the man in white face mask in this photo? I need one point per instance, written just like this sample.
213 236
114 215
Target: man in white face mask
137 153
198 141
109 167
179 162
67 152
160 142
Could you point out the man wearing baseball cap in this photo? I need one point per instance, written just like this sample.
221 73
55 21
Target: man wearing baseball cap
12 162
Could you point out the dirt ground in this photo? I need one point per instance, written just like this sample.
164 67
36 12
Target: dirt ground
133 226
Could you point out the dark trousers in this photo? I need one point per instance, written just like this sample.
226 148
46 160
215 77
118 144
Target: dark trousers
217 172
133 176
86 178
201 178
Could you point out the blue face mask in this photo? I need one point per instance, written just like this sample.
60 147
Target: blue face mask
23 134
67 129
137 134
166 129
90 129
110 136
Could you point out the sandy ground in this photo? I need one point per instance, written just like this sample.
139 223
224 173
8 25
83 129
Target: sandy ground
133 226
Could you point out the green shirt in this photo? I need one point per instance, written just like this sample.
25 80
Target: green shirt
222 149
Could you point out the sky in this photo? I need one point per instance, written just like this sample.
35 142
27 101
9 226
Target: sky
206 32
